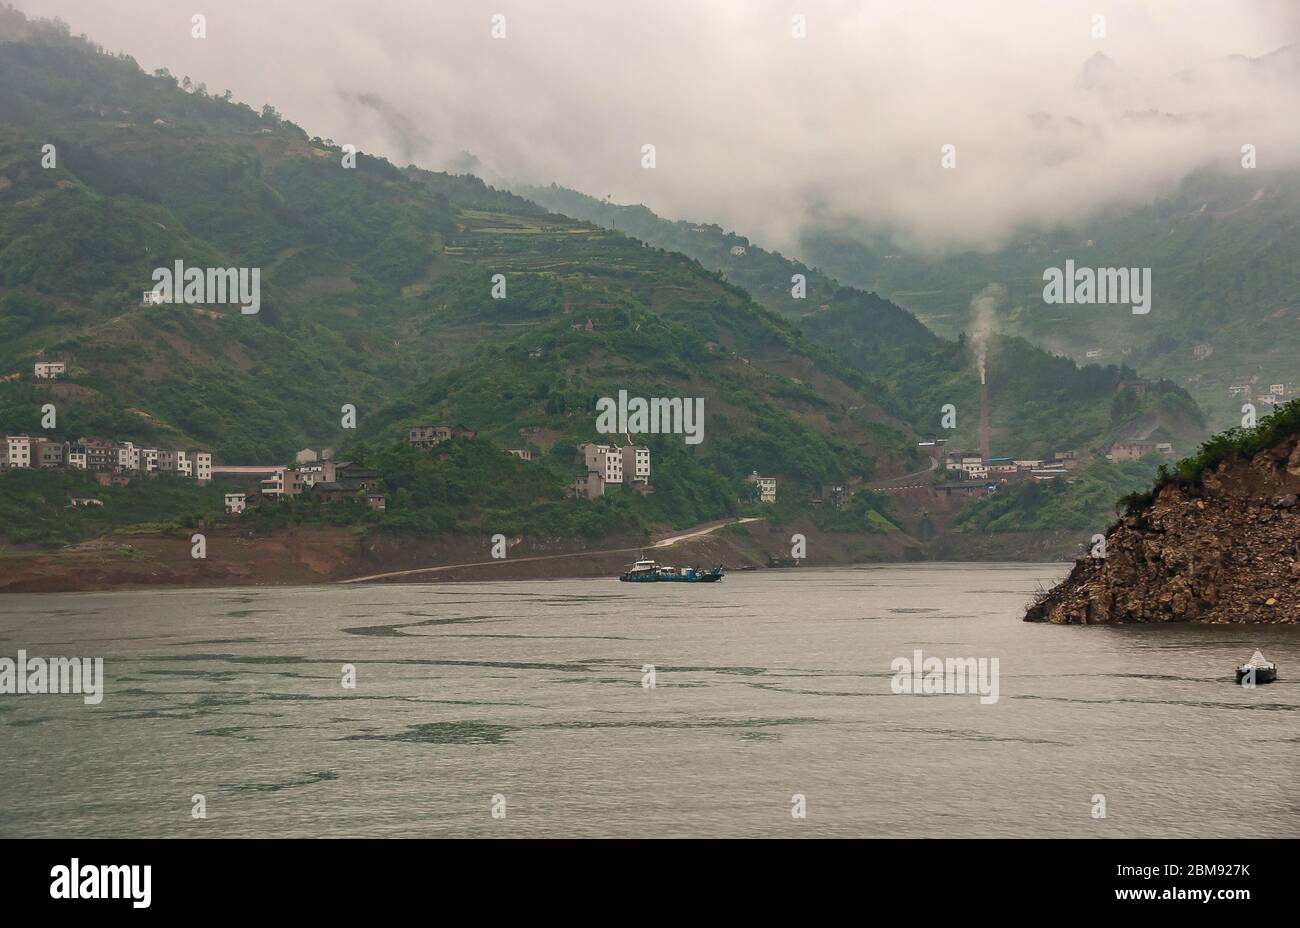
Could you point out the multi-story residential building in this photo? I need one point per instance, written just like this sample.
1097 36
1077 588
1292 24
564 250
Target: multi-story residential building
426 436
235 503
636 463
100 454
128 456
184 464
18 451
613 466
50 370
604 460
766 487
318 472
284 481
593 456
166 461
202 466
149 460
52 454
77 455
522 453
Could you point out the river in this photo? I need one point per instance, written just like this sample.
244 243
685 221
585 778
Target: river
523 709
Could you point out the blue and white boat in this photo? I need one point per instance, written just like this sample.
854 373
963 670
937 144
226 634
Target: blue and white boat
647 571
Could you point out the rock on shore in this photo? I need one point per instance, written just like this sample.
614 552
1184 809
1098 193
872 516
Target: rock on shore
1225 549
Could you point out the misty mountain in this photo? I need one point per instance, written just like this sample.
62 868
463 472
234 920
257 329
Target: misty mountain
1224 254
1041 401
377 291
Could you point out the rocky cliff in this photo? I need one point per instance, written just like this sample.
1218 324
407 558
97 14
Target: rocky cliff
1222 547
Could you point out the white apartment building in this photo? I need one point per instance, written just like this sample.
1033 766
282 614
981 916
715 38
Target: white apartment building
128 456
50 370
185 463
202 465
766 487
235 503
613 466
77 456
18 451
148 460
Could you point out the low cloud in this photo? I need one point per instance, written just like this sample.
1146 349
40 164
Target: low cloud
757 130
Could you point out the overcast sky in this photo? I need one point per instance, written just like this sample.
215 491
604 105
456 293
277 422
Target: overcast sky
755 129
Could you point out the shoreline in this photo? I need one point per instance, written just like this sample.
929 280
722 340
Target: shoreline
322 555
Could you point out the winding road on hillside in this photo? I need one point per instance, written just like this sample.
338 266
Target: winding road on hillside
901 481
706 529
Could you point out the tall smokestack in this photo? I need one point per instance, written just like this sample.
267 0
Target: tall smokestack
984 418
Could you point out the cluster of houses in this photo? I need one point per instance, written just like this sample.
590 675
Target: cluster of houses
973 473
315 473
1277 392
109 461
606 464
424 437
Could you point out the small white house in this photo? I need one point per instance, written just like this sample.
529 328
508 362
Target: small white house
50 370
766 487
235 503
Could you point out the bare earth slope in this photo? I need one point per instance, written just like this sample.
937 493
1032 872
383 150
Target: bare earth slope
1225 549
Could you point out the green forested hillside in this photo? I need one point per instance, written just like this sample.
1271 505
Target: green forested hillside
376 292
1224 251
1040 402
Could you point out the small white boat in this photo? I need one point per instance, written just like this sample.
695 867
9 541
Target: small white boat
1256 670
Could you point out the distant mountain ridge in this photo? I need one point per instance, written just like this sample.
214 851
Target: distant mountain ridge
1042 403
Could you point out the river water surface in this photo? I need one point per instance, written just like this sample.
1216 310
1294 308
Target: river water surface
768 685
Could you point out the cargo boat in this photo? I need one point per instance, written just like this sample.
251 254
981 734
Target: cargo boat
647 571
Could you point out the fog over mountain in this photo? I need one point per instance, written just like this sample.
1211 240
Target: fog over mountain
753 128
